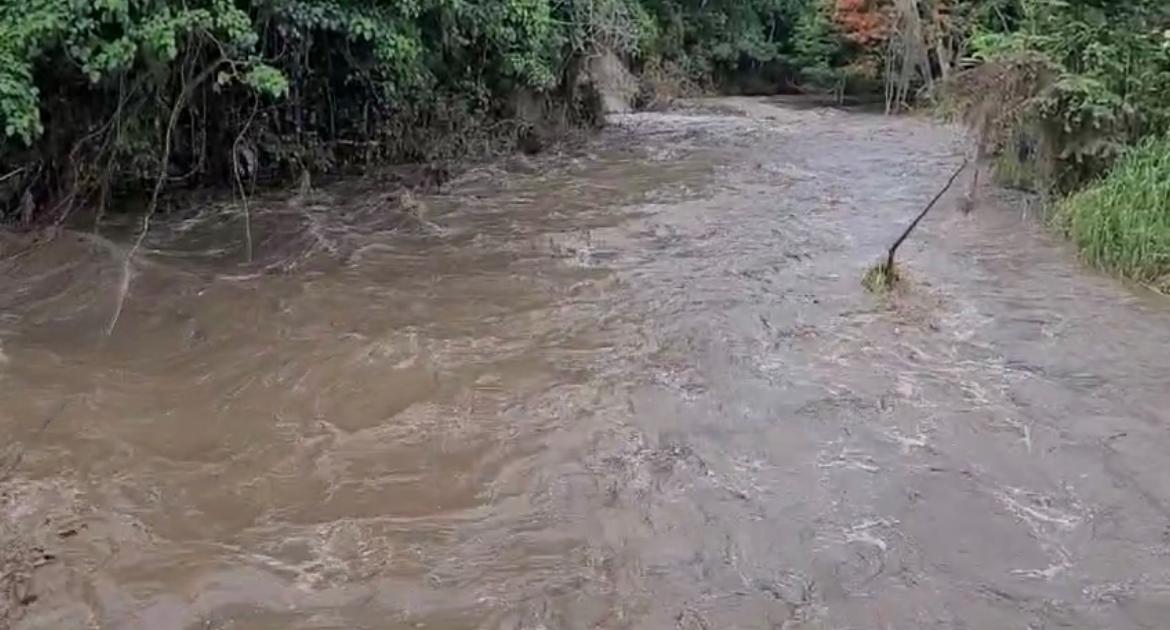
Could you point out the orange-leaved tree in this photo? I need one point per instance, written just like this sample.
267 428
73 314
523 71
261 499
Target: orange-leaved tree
866 23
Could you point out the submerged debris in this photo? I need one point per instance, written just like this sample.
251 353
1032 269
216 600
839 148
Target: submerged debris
409 212
882 277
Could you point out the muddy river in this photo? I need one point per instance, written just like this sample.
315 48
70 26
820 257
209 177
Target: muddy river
634 385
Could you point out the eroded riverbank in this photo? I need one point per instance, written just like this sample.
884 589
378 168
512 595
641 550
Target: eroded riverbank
637 387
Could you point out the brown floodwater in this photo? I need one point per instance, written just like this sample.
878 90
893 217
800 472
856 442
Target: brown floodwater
634 385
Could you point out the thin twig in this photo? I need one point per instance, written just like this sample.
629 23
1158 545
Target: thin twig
124 287
240 182
914 224
7 176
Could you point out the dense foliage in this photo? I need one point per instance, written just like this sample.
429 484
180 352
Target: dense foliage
1071 97
1104 80
95 91
101 95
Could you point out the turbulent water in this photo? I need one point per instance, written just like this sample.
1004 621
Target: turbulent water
634 386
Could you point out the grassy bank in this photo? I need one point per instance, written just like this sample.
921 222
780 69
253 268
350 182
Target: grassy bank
1122 222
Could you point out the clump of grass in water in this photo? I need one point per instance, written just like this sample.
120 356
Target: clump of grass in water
1122 222
881 278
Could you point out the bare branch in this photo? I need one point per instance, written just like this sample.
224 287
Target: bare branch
164 155
917 219
240 182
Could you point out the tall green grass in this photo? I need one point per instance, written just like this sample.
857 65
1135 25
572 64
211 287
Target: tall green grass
1122 222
